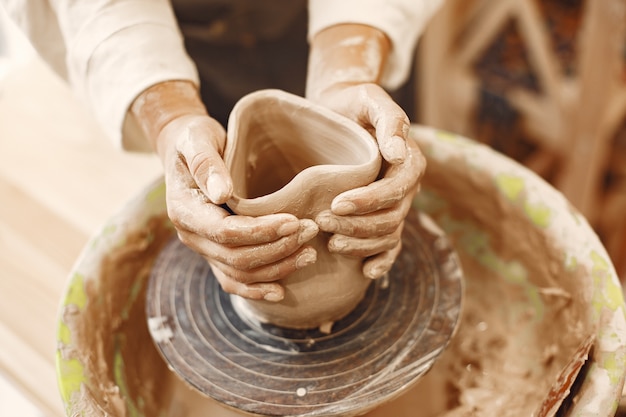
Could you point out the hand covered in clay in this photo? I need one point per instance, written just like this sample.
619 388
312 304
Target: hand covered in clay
344 67
247 254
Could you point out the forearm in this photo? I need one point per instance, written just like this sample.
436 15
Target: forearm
345 54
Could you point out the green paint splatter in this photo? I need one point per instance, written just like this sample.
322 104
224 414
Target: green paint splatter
614 365
70 372
64 335
599 263
120 377
511 186
614 296
539 214
119 374
76 294
109 230
476 243
446 136
610 295
71 375
135 290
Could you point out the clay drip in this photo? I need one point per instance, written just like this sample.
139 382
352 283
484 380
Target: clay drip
287 155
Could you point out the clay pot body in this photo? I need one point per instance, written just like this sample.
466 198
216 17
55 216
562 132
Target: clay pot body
287 155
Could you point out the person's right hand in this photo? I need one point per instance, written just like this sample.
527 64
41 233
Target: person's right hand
247 254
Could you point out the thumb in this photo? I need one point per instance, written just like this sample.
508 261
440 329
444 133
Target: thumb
201 147
392 127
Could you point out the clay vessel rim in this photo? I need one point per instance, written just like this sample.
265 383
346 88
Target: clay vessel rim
309 109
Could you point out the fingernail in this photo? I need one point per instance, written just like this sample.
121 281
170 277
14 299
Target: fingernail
337 243
308 230
218 190
273 296
307 257
395 151
288 228
343 208
326 222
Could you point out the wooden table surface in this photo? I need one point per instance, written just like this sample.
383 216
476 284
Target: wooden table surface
60 179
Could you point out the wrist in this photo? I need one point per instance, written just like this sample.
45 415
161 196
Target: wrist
345 55
158 105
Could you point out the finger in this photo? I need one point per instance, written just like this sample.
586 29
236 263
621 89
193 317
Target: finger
201 147
378 195
245 230
364 247
253 256
375 224
391 125
189 210
303 257
391 133
399 181
187 206
379 265
217 225
269 291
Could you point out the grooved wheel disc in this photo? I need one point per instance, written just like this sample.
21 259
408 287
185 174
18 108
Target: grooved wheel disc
387 343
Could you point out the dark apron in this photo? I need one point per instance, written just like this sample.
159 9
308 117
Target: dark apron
240 46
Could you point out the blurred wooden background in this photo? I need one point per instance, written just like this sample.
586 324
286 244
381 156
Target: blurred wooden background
543 81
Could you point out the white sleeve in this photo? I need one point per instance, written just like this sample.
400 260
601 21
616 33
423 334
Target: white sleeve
115 49
401 20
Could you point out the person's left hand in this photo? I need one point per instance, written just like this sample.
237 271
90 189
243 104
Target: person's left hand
368 221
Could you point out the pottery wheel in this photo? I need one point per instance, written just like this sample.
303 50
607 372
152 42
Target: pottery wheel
375 353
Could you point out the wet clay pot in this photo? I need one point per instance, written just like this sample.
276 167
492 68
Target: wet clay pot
287 155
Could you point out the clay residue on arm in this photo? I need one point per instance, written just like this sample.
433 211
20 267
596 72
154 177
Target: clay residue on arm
346 64
158 105
346 54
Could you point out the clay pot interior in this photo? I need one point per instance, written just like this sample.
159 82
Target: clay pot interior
537 282
280 146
